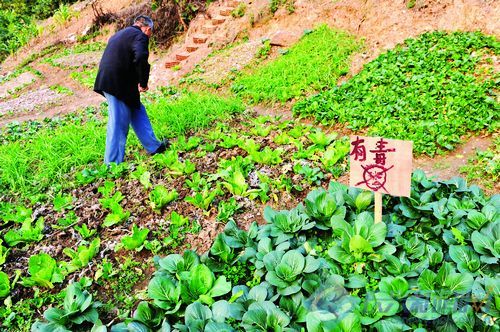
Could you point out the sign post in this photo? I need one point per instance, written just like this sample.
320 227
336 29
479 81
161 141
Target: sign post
378 207
381 165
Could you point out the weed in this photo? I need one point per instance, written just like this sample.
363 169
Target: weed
64 14
265 50
484 166
85 77
274 5
410 3
61 90
240 10
238 273
89 36
18 316
119 281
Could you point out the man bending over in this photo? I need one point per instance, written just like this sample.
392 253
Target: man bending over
123 74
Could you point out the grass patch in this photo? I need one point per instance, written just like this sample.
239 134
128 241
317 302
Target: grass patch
314 63
51 155
431 90
190 112
30 167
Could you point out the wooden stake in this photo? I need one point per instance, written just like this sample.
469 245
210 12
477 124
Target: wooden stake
378 207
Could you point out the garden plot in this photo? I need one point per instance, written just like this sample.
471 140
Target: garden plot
86 59
82 60
81 56
30 101
433 90
176 200
16 83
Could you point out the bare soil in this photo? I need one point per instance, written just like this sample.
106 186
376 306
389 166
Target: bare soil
448 166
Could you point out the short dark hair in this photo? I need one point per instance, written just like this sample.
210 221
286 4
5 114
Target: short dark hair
144 21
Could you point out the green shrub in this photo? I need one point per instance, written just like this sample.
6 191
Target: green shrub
39 9
15 31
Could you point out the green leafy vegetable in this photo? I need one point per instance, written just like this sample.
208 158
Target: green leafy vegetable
136 240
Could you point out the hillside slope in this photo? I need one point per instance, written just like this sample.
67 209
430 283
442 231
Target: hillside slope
66 217
381 24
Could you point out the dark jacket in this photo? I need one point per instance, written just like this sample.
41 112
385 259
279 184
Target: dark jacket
124 65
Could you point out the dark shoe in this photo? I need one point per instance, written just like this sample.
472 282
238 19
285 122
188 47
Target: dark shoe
163 146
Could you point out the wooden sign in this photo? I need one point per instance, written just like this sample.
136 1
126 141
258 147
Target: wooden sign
381 165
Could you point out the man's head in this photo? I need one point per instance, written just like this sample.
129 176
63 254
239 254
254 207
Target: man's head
145 23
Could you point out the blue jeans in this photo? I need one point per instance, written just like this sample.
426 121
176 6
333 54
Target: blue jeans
121 116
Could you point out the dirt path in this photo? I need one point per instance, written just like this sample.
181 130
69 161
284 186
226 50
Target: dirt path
447 166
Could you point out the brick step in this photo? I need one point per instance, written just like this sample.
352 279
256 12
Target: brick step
192 48
182 56
209 29
200 39
218 20
171 63
225 11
